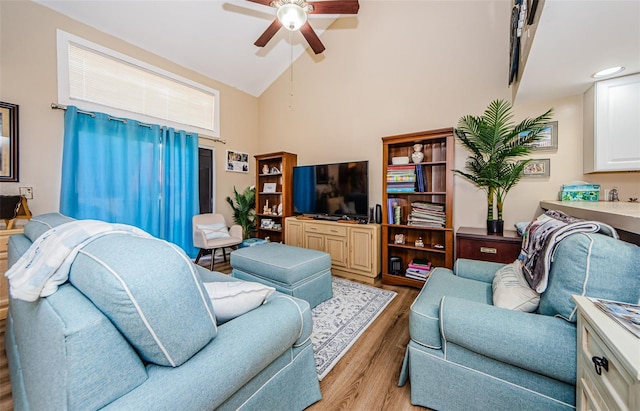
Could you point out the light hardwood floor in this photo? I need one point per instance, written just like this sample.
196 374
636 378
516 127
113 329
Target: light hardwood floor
366 378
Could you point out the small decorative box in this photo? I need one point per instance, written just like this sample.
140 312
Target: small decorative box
580 192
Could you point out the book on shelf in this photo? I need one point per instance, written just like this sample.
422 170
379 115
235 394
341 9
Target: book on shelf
418 269
415 277
396 178
427 215
401 179
420 178
392 217
626 314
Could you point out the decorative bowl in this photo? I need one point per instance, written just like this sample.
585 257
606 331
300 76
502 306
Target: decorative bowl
399 160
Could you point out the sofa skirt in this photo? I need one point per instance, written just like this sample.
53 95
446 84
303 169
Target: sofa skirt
441 384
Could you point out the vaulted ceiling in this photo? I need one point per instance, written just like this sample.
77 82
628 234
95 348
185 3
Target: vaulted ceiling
215 38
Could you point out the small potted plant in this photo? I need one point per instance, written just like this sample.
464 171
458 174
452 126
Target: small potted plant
497 149
244 210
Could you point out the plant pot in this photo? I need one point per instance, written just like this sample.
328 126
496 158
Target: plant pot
495 226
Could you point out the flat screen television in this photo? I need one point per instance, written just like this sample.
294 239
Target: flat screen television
334 190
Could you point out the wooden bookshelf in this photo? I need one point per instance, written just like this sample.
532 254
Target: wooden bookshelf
437 175
274 189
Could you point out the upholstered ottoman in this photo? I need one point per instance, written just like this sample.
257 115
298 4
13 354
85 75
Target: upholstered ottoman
295 271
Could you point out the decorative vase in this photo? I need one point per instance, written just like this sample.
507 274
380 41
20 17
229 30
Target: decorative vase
417 155
495 226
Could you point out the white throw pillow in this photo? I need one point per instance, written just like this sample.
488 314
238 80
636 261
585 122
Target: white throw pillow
231 299
213 231
511 290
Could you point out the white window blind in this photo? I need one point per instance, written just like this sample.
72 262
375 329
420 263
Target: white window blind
101 76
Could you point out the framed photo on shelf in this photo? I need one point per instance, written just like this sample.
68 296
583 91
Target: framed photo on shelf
538 168
547 139
8 142
269 188
237 161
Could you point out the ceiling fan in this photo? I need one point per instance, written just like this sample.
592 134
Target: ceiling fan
292 15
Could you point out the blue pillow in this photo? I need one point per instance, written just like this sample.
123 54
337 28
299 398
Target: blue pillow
594 265
151 292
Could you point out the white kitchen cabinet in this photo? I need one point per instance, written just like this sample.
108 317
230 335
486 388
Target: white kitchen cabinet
612 125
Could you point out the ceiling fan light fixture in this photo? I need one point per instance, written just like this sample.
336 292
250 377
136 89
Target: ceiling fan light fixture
292 16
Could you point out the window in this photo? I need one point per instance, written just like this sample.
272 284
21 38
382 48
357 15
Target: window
93 77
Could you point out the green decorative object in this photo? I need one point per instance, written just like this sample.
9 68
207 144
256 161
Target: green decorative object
244 210
497 147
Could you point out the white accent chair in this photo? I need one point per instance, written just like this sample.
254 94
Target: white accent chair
210 233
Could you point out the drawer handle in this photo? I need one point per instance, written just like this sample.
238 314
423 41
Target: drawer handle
600 363
488 250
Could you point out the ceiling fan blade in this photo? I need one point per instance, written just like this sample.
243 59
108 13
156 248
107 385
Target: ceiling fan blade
334 7
268 33
312 38
264 2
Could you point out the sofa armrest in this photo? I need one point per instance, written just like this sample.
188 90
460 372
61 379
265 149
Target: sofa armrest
476 270
538 343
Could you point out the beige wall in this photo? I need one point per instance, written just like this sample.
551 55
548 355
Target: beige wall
28 78
402 72
372 81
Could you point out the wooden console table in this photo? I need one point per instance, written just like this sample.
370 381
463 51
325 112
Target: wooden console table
4 265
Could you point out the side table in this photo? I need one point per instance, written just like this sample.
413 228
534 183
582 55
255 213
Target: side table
608 368
476 244
4 266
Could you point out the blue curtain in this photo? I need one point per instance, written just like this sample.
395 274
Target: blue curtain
304 189
179 193
122 171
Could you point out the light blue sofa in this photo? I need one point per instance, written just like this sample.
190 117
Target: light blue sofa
467 354
65 353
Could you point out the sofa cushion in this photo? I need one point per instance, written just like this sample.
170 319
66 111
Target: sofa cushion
233 298
594 265
511 290
214 231
41 224
152 293
424 317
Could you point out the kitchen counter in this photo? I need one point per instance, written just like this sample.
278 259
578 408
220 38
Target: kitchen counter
618 214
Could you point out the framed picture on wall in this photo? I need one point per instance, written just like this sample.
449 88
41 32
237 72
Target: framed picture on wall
8 142
538 168
237 161
548 138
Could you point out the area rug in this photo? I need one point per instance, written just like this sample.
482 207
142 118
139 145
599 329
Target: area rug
341 320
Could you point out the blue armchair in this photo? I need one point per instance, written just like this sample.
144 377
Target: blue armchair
465 353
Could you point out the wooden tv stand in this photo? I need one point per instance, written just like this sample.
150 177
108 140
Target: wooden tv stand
354 248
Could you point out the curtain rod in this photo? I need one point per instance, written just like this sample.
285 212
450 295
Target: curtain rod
57 106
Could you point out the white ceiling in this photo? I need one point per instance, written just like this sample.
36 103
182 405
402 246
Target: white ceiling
575 38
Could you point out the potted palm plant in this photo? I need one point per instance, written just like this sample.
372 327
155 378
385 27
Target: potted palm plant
244 210
497 149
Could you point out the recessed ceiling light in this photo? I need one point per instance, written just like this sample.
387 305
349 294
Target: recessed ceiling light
607 72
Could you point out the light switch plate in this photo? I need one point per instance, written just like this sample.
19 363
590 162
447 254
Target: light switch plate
27 192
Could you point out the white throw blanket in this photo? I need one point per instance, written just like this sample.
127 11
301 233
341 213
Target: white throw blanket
45 265
543 235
